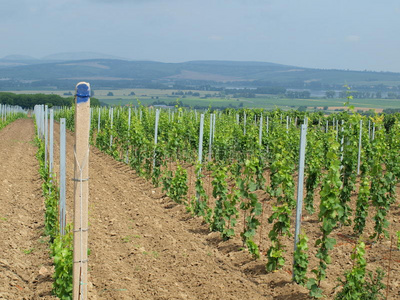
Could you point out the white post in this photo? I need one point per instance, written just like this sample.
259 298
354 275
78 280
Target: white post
300 185
46 134
98 121
129 134
369 129
200 153
359 149
112 120
210 137
62 176
287 124
337 129
373 130
260 131
342 143
213 135
155 137
51 154
244 123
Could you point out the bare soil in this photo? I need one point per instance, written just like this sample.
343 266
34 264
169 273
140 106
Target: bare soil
143 245
25 264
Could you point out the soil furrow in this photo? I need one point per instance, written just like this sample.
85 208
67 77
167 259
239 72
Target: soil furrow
25 264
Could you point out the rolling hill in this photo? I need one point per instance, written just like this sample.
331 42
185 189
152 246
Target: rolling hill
60 68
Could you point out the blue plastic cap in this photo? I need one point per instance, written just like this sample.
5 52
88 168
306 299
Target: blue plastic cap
82 92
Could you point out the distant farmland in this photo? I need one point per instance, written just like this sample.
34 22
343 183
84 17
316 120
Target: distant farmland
164 96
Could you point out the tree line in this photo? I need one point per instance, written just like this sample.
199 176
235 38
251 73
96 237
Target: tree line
30 100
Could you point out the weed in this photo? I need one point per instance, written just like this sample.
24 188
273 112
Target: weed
28 251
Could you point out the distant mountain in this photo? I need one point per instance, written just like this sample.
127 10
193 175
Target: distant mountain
56 69
19 58
78 56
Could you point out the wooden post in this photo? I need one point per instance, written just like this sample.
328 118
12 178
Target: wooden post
81 190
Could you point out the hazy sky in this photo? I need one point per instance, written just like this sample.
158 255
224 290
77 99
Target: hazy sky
351 34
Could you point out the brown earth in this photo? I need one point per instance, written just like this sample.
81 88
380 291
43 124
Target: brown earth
25 264
144 246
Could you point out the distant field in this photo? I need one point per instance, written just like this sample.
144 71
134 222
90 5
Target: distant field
149 96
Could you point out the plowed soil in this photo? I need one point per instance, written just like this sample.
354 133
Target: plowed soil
25 264
143 245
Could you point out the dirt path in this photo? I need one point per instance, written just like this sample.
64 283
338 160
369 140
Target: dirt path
25 265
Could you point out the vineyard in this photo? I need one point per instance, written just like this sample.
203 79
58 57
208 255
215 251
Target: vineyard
188 204
238 171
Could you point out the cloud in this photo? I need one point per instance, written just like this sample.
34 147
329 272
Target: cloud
353 38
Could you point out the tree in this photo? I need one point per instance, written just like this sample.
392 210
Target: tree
110 94
330 94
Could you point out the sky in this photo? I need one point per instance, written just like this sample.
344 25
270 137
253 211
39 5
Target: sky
327 34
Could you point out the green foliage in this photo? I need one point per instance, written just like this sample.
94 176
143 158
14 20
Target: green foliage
281 227
61 246
301 260
330 213
362 202
250 205
63 264
381 183
51 195
374 285
355 286
225 212
238 166
314 158
176 186
281 188
156 172
398 239
198 205
11 117
313 286
348 174
30 100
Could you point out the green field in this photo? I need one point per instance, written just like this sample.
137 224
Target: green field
150 96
